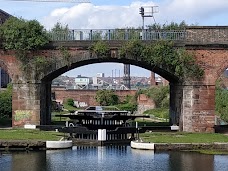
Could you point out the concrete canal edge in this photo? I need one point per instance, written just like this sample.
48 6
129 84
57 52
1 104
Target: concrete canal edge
142 145
11 145
58 144
191 146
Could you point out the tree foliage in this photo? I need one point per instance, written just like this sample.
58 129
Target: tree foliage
60 32
221 103
6 102
163 54
70 102
171 26
160 95
129 103
106 97
20 34
101 49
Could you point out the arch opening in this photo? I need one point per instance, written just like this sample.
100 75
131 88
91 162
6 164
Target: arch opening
5 78
5 96
221 96
50 77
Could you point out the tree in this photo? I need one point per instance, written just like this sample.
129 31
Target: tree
172 26
70 102
160 95
129 103
20 34
61 32
6 102
221 105
106 97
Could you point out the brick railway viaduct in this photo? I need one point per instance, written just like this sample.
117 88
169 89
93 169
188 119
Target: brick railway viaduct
192 104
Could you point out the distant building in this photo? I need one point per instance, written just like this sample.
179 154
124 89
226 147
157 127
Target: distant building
100 75
82 82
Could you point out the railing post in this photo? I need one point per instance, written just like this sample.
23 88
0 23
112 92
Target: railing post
91 35
145 37
73 35
126 35
109 35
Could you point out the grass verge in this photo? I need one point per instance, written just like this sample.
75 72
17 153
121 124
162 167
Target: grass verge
181 137
27 134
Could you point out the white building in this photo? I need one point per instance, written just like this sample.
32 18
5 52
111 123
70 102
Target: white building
100 75
82 82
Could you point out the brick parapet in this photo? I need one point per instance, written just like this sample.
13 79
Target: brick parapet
207 34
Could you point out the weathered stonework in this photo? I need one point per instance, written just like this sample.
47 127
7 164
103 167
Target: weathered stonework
207 34
198 108
144 103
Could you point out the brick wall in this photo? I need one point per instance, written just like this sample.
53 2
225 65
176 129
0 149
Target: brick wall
87 96
207 34
144 103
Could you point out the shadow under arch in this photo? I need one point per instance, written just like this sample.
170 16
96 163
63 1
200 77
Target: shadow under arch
5 76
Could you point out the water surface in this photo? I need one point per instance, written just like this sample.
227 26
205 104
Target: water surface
115 158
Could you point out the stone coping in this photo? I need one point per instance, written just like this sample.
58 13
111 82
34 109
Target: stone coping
142 145
191 146
10 145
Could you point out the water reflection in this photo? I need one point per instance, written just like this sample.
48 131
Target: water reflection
113 158
191 161
22 161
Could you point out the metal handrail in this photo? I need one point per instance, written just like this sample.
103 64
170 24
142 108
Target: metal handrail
116 34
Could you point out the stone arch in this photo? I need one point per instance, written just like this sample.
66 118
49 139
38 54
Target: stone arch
192 104
85 58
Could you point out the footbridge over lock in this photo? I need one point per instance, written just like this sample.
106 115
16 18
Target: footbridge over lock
192 103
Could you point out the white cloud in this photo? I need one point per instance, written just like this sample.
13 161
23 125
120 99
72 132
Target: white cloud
200 11
89 16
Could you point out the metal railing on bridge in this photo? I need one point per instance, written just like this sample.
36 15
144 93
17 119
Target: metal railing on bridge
116 34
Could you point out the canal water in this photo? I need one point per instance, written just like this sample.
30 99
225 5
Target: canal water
113 158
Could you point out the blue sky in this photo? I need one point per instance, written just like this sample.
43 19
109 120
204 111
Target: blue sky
117 14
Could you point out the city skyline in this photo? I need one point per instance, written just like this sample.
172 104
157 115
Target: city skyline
109 69
101 14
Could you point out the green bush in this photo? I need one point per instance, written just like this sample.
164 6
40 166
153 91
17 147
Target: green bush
177 61
20 34
70 102
160 95
221 103
106 97
128 106
6 102
159 113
